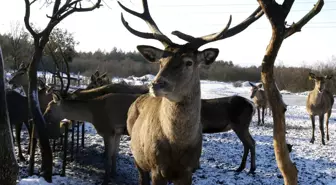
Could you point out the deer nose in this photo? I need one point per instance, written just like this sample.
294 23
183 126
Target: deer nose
158 84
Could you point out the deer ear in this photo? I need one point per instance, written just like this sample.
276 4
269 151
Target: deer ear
56 97
103 75
96 73
150 53
49 90
209 55
93 77
328 77
251 84
311 76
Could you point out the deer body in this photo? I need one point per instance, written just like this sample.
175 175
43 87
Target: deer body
319 103
176 149
260 100
18 113
107 113
234 112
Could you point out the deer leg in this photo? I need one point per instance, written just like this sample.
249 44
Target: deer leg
32 150
258 115
143 176
115 154
185 179
65 148
30 135
327 123
108 142
83 131
72 139
77 138
157 179
18 127
263 121
313 125
249 145
321 120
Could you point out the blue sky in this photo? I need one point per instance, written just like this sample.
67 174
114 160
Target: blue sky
103 29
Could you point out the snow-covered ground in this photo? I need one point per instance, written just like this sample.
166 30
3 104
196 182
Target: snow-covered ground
221 152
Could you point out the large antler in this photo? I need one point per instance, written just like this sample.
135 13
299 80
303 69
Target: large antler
157 34
225 33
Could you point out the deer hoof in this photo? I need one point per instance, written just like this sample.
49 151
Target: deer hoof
251 172
22 159
239 169
327 137
312 140
323 143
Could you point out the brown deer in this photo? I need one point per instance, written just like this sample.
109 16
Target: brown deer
165 125
319 102
17 106
260 100
108 114
98 80
223 114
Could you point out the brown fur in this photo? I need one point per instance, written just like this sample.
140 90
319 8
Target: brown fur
260 100
165 129
319 103
107 113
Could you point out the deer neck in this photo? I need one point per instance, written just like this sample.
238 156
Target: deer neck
181 121
25 89
317 96
76 110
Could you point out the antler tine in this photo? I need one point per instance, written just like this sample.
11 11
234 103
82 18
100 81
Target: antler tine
225 33
157 34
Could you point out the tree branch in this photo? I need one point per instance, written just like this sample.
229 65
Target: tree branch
286 7
75 9
56 7
26 19
296 27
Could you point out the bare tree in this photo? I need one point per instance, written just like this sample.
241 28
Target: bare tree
8 164
277 13
20 45
40 39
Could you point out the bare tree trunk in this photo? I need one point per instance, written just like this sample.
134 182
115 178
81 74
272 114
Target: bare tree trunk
276 14
8 165
287 168
38 119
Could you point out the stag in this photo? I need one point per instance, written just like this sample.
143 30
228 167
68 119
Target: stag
319 102
165 125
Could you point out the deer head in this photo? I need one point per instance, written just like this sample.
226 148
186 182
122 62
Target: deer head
53 113
20 77
179 64
98 80
319 81
255 89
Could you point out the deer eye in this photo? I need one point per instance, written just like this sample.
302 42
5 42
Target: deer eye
189 63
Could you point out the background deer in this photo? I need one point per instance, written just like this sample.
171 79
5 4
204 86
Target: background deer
319 102
260 100
165 125
107 113
17 106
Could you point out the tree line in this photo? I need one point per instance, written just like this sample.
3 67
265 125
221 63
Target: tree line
17 48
